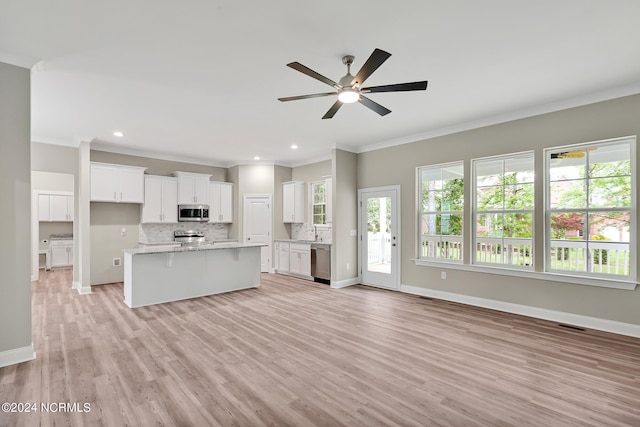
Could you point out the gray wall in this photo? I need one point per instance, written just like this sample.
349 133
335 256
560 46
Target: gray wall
54 158
108 219
310 173
107 242
344 253
604 120
158 166
15 191
280 229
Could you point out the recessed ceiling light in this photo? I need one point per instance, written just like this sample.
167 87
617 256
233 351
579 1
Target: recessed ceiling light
256 158
118 134
294 146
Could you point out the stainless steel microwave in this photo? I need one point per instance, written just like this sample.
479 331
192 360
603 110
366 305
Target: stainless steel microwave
193 213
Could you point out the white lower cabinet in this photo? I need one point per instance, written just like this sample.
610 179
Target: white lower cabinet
61 254
300 259
282 257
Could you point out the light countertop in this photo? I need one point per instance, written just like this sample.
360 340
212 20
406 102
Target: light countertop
172 248
310 242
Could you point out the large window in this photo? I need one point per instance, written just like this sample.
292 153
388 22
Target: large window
503 211
441 193
319 202
590 209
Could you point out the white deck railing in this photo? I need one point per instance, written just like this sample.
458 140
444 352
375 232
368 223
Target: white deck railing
566 255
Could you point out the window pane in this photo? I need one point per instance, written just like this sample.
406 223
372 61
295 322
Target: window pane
519 196
489 225
519 169
432 179
453 197
611 160
609 226
568 225
319 209
610 192
564 168
568 194
432 201
429 223
489 198
518 225
489 172
451 224
318 219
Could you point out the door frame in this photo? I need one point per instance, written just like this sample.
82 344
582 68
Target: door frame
361 255
269 198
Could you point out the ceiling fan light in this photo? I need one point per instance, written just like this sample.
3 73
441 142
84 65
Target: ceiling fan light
348 96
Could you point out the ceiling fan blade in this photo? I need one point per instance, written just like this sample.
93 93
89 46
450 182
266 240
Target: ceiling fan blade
333 110
383 111
315 95
400 87
376 59
309 72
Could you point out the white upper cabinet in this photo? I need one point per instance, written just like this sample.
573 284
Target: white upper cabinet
160 199
221 202
193 188
117 183
55 207
293 201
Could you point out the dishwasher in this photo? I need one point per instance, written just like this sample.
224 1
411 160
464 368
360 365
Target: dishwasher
321 263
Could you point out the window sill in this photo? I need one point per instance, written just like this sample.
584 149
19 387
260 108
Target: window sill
552 277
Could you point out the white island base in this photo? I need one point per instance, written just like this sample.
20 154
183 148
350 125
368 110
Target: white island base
158 276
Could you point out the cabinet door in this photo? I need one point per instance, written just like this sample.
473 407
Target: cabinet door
152 207
283 257
305 263
70 255
60 255
44 207
170 200
131 186
214 202
201 190
59 207
186 185
294 262
103 183
226 202
288 202
70 207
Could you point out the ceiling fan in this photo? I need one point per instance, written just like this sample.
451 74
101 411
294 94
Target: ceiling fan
349 88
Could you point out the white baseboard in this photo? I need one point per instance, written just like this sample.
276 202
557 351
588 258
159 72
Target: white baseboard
344 283
17 355
82 290
596 323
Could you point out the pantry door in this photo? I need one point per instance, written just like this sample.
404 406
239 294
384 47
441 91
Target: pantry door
257 226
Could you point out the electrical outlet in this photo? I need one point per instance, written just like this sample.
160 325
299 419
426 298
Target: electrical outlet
347 266
123 232
443 275
116 262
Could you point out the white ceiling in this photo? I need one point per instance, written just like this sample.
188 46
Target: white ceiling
199 79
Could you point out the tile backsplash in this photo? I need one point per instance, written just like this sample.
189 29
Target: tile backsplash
162 233
305 231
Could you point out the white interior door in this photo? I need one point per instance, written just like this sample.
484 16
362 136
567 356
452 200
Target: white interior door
257 226
379 231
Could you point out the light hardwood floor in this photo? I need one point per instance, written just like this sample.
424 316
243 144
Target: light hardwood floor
296 353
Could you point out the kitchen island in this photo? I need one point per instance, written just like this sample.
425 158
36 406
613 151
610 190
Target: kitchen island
158 274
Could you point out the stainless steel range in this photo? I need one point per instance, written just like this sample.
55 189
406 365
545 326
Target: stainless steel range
189 237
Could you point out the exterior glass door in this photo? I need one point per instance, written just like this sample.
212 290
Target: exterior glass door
379 239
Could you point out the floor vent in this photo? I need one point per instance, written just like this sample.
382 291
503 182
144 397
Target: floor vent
427 298
575 328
